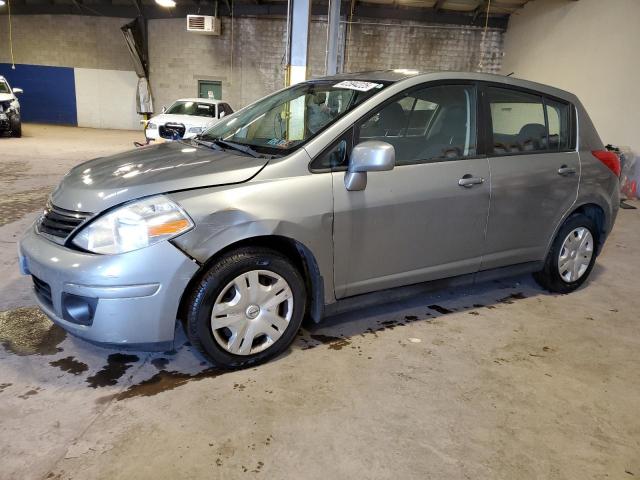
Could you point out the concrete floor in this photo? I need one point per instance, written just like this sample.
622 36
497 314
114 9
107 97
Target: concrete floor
500 380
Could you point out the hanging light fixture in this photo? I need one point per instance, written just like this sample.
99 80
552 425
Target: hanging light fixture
162 3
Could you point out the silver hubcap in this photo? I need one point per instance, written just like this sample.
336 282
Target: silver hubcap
252 312
575 254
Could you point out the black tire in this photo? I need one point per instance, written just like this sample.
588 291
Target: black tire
16 127
205 292
549 277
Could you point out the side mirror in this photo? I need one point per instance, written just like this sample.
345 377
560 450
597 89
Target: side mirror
222 114
164 109
17 91
370 156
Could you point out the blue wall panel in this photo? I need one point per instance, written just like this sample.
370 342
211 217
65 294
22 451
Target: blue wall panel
49 92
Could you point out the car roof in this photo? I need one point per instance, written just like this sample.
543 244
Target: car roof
200 100
400 74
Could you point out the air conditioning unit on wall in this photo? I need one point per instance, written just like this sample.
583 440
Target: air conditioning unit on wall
204 24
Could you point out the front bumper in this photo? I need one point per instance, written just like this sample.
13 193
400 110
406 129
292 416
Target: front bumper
135 295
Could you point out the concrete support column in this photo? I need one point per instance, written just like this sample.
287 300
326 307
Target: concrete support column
333 30
298 18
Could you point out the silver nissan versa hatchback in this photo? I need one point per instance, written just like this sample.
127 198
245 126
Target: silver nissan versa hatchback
325 190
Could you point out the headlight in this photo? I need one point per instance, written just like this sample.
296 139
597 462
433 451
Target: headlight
195 130
134 226
151 126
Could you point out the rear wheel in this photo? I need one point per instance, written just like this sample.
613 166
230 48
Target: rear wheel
247 308
571 257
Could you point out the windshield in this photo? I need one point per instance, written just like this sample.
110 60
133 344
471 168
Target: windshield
283 121
4 88
193 108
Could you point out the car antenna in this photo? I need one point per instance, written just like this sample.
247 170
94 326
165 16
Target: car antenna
510 74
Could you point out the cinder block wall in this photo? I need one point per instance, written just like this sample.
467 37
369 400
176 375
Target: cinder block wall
255 65
102 81
66 41
393 44
252 64
249 67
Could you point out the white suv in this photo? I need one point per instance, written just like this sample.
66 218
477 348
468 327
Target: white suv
9 109
186 118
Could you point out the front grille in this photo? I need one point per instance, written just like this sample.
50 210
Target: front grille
43 291
172 131
58 222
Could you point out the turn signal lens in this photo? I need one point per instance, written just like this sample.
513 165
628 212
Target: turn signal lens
169 228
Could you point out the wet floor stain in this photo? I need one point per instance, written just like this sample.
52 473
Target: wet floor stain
166 380
510 298
29 393
28 331
440 309
160 363
16 205
116 367
70 365
12 171
335 343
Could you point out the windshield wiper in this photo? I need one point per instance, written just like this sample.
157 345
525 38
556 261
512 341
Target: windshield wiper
237 146
212 145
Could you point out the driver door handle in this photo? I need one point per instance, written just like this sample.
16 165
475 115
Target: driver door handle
564 171
469 181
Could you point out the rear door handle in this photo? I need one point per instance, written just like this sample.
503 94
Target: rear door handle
468 181
564 171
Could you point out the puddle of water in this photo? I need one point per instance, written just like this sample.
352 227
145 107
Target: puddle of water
30 393
166 380
335 343
160 363
28 331
510 298
440 309
70 365
16 205
116 367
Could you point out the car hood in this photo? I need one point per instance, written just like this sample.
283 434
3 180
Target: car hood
186 120
104 182
6 97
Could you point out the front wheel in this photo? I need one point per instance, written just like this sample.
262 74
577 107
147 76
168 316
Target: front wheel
246 308
16 127
572 256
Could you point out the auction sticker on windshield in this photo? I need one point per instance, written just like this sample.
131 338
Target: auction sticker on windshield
358 85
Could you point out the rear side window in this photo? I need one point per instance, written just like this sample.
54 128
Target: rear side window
432 124
524 122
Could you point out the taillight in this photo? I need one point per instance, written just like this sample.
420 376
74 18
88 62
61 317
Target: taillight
610 159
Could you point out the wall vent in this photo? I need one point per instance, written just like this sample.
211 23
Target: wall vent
204 24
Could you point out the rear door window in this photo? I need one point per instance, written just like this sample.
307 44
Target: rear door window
518 121
524 122
428 125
